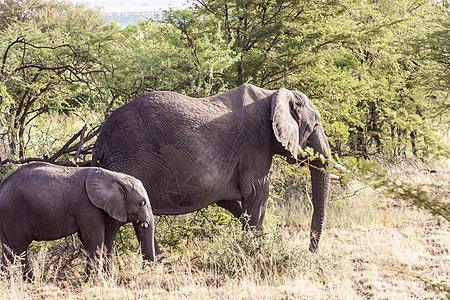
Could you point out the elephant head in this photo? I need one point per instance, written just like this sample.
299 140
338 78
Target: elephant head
296 123
124 198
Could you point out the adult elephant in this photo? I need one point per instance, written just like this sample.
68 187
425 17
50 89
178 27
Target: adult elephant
195 152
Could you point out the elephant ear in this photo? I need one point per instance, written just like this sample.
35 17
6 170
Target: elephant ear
284 124
106 191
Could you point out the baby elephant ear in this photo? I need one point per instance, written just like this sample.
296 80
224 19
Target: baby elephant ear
106 191
284 125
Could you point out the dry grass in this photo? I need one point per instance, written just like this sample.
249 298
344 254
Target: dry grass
373 247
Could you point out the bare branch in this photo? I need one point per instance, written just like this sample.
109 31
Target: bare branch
20 161
66 145
80 144
20 39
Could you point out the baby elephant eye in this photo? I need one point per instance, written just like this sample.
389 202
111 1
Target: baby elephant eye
142 203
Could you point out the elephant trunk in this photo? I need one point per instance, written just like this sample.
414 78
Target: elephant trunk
320 180
145 217
145 231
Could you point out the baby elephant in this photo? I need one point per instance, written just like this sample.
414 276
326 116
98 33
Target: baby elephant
42 201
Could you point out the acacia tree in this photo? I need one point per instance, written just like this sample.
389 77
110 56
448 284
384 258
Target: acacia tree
52 64
429 52
47 63
151 58
273 40
393 108
349 54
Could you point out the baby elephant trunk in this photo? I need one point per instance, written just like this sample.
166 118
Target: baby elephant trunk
145 218
147 233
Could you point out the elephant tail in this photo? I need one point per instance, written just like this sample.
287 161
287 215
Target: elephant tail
97 155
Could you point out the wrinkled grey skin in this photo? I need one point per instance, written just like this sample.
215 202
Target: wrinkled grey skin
42 201
194 152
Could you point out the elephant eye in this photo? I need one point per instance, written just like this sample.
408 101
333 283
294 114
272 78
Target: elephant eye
142 203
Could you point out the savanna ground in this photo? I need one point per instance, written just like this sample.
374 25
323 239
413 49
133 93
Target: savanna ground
373 247
379 70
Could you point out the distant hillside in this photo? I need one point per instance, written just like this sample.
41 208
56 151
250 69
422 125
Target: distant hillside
126 18
127 12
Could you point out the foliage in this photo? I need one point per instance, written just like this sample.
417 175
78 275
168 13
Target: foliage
242 253
63 58
383 65
366 74
377 70
429 52
432 197
156 60
272 39
349 54
373 245
47 65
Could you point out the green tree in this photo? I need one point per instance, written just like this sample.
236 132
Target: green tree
56 59
50 15
348 54
429 53
152 57
46 64
273 40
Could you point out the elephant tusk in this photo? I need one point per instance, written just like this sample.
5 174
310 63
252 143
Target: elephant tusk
338 166
334 177
144 224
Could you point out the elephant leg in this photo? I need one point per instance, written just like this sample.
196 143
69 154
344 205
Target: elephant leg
94 245
10 254
233 206
111 229
7 251
236 209
7 257
27 272
16 248
22 254
255 196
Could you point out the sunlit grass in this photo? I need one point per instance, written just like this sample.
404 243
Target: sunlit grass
373 246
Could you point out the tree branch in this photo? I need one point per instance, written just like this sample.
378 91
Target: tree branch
66 145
